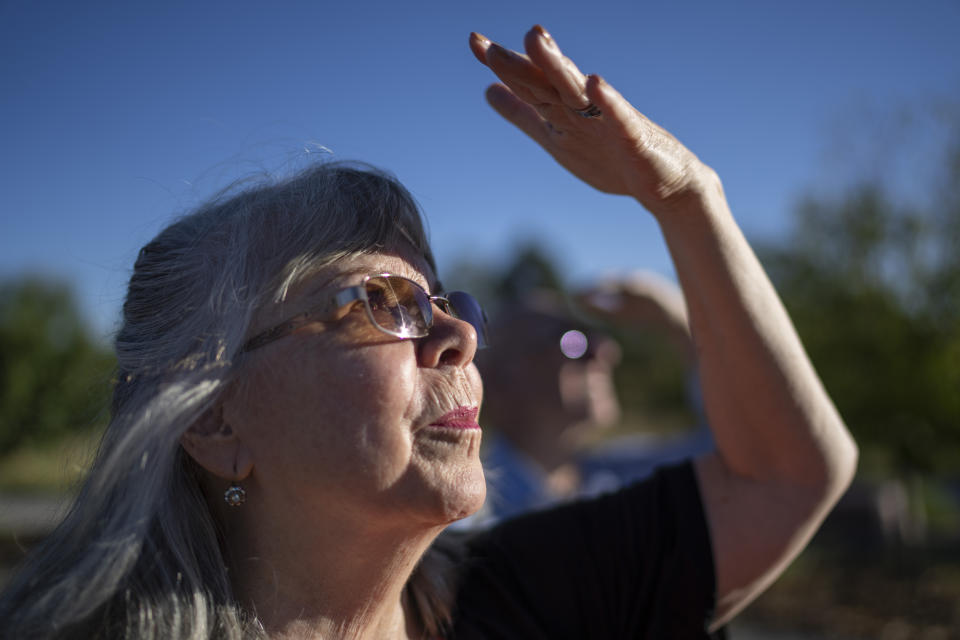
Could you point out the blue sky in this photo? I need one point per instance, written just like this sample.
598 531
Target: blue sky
117 116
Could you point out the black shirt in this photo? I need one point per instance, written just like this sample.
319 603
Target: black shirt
636 563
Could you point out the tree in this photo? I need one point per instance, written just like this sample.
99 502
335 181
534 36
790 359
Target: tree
54 378
872 281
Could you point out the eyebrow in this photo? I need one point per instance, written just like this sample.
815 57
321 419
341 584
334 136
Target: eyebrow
315 289
410 274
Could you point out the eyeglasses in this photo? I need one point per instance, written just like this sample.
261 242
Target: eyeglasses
395 305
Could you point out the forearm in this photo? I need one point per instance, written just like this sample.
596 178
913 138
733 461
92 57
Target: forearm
783 455
772 420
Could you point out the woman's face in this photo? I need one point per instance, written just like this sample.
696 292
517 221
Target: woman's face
344 421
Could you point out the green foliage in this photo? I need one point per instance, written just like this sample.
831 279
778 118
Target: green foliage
874 290
530 268
54 379
651 382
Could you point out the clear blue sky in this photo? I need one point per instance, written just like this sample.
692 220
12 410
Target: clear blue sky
116 116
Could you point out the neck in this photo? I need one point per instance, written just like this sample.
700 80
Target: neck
330 584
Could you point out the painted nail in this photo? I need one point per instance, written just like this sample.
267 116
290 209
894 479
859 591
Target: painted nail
547 38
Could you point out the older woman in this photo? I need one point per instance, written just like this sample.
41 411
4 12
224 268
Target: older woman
295 422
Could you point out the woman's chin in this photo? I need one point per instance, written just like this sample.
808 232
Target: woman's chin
468 507
462 496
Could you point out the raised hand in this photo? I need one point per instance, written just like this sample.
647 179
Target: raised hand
782 448
639 297
588 127
645 301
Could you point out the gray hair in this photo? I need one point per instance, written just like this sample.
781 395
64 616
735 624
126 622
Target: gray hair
138 555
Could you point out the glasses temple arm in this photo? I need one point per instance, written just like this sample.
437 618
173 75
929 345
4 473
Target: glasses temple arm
336 301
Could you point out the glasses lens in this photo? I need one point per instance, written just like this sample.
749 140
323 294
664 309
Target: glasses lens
398 306
465 307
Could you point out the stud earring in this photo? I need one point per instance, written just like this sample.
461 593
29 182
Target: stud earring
235 495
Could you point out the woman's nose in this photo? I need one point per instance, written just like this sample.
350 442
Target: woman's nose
450 342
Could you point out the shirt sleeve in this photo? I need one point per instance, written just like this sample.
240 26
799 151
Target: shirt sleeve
636 563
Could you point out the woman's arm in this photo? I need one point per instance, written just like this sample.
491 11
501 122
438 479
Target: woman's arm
783 453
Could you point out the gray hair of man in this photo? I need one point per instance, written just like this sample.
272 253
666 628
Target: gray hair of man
138 554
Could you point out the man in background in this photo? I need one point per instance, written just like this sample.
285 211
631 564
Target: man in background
549 391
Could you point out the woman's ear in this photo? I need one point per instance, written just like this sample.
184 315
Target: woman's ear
215 446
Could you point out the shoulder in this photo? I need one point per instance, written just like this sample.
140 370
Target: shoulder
632 563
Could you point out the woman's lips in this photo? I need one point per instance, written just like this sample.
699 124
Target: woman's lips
459 418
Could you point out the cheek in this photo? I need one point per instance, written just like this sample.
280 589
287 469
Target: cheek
345 417
355 391
475 382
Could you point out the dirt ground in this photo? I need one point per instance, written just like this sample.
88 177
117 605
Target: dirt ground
848 593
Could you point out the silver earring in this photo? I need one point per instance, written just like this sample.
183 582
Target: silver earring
235 495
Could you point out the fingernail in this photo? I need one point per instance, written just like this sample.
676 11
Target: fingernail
545 35
482 38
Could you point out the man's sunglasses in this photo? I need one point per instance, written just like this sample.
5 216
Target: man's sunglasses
394 304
